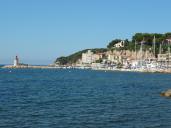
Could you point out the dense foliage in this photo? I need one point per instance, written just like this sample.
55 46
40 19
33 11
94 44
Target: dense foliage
148 37
113 42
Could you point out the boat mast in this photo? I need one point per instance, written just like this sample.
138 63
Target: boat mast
146 55
141 52
160 48
135 50
154 46
160 52
168 56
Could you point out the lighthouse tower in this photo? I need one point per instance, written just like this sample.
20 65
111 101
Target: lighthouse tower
16 61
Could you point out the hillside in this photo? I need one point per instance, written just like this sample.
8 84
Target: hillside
147 39
73 58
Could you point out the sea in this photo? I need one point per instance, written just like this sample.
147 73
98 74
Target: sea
71 98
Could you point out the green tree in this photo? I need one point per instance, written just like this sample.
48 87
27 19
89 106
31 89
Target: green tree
62 60
113 42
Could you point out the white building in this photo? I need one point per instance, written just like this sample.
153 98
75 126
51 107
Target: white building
114 57
16 61
120 44
89 57
162 57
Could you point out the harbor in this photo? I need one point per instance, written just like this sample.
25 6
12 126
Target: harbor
145 53
155 57
85 64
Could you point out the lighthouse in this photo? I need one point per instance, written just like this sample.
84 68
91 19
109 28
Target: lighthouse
16 61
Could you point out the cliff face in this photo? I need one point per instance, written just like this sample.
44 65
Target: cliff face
132 55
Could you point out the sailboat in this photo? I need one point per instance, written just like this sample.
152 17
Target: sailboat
139 64
146 63
151 63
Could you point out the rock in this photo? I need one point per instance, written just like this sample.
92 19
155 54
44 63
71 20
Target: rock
166 93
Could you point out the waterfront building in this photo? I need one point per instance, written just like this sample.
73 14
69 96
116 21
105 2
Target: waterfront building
89 57
111 58
97 56
163 57
114 58
123 56
164 60
16 61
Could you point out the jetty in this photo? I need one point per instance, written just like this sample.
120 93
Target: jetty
18 65
23 67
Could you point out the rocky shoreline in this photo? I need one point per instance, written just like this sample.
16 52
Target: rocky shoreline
166 93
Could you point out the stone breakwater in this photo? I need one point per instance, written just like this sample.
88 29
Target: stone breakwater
105 69
29 66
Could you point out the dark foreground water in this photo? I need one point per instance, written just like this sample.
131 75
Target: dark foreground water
83 99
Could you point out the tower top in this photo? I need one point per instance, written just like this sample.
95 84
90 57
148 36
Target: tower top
16 61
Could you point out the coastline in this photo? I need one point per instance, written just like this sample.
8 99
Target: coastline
24 67
98 69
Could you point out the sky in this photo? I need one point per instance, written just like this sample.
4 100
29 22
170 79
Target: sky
39 31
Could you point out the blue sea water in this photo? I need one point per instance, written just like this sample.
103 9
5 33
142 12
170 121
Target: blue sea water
1 65
55 98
